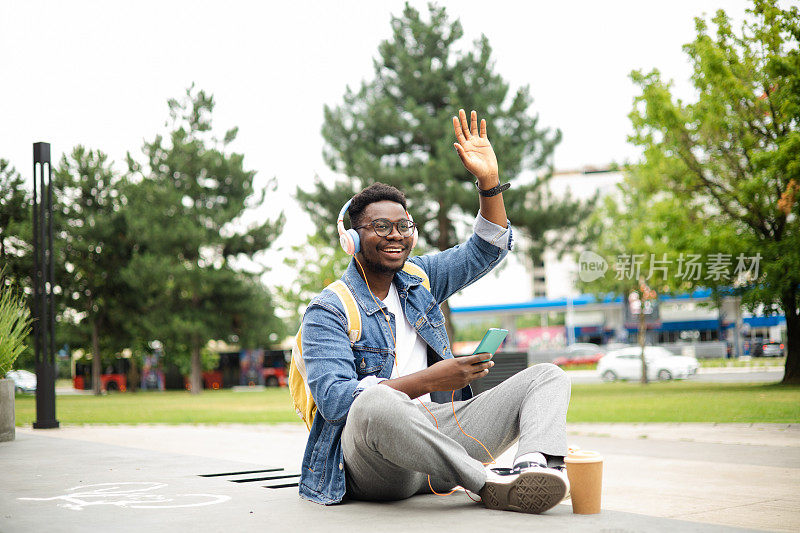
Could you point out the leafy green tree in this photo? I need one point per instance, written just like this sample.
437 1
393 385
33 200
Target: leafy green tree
397 129
645 232
317 263
185 210
728 162
16 251
621 231
91 238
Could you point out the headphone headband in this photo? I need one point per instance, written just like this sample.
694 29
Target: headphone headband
345 207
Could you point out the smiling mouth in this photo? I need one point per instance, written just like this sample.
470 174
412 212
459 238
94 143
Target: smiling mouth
394 252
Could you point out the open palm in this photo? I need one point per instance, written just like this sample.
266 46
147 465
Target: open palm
474 148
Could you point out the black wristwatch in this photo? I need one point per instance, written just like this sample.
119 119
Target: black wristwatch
494 191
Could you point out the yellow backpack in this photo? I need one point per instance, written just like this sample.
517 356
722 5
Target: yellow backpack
299 390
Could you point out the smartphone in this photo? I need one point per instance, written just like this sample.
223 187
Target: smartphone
491 342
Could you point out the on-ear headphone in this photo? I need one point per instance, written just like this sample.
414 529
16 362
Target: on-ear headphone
349 239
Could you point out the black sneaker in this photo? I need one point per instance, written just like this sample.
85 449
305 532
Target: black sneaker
526 488
519 467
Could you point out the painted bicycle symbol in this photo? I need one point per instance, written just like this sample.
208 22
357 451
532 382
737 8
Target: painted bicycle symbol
129 494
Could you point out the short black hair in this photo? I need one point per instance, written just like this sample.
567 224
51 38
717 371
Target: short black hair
377 192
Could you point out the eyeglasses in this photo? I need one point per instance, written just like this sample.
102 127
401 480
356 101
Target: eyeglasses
383 227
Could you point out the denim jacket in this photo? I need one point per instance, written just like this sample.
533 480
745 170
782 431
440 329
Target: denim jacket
336 367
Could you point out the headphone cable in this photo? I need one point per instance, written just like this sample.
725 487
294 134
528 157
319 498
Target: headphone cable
452 396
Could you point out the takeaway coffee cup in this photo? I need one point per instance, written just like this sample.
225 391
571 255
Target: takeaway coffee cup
585 473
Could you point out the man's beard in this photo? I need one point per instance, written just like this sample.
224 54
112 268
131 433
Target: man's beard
378 267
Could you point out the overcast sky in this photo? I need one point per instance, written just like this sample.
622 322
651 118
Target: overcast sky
100 73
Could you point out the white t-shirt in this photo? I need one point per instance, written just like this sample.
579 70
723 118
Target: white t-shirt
412 352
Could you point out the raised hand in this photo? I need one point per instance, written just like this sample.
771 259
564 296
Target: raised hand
475 150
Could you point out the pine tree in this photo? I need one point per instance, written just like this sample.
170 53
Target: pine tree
397 128
184 212
92 245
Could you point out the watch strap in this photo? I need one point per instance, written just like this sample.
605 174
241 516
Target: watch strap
494 191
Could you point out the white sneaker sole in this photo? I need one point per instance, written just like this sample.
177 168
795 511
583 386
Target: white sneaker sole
532 492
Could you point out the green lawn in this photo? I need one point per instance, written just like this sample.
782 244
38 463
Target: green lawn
754 362
607 402
172 407
680 401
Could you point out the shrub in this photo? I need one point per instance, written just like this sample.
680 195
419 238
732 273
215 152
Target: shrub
15 325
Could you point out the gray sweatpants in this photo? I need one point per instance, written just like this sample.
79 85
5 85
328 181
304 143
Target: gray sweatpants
391 444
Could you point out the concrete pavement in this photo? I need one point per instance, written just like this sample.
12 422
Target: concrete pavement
657 477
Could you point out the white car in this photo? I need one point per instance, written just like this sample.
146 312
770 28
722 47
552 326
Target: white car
772 349
24 381
661 364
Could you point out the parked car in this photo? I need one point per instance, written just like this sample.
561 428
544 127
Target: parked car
615 346
661 364
24 381
579 354
773 349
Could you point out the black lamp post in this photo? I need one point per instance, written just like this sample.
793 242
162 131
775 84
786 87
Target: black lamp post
43 306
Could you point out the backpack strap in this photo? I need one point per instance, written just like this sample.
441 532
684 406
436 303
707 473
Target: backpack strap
300 392
415 270
352 312
350 308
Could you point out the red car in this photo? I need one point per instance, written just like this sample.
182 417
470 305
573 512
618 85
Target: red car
580 354
274 377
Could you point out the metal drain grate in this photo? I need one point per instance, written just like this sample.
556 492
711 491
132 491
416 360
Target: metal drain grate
277 479
243 472
265 478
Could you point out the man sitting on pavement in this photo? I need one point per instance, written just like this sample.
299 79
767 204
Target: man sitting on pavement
395 413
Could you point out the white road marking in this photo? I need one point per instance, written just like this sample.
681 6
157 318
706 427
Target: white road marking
129 494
